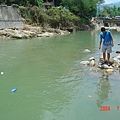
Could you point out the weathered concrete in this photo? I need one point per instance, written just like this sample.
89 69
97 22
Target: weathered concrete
9 17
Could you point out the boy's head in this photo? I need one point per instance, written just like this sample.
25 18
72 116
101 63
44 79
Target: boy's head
102 29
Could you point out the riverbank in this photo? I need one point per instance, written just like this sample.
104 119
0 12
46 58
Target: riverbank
28 31
116 28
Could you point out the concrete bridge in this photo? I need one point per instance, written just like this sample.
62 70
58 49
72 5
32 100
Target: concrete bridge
111 22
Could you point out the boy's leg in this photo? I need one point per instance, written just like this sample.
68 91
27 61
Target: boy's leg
109 50
104 56
108 57
104 52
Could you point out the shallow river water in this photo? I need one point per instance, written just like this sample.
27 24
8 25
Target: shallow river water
51 84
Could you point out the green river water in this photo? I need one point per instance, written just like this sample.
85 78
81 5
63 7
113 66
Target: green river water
51 84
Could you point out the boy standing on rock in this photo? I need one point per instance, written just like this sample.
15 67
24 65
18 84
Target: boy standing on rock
107 43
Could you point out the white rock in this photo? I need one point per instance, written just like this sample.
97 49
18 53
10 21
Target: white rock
109 71
99 66
118 57
2 73
92 62
87 51
84 62
116 60
105 66
92 58
89 96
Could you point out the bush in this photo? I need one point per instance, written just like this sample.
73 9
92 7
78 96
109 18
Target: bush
54 17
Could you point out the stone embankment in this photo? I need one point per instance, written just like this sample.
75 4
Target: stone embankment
28 31
113 28
97 26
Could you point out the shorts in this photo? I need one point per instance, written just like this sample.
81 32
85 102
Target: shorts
107 48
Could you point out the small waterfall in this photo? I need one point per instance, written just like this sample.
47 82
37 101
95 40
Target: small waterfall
9 17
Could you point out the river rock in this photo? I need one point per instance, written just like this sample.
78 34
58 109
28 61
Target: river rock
116 60
87 51
28 33
91 58
85 62
45 34
105 66
109 71
2 33
92 61
17 36
117 51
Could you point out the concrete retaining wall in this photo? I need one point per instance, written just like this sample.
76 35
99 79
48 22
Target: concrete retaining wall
9 17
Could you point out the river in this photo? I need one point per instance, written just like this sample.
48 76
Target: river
51 84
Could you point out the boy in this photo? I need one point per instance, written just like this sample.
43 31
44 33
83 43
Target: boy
107 44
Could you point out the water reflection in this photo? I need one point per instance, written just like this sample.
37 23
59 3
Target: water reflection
103 89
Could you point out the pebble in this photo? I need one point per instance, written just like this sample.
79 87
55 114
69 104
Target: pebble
89 96
2 73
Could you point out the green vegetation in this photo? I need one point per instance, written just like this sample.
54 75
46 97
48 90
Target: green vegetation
53 17
85 9
110 11
70 13
38 3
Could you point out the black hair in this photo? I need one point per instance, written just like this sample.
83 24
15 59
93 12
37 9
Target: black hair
102 29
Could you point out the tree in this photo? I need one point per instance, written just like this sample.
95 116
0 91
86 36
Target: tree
115 10
38 3
110 11
118 10
99 2
84 8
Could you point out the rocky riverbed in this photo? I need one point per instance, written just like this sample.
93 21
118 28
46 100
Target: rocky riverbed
108 67
28 31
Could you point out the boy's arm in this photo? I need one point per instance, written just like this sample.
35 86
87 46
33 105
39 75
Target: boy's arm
112 41
100 43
